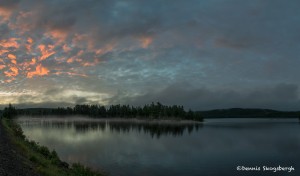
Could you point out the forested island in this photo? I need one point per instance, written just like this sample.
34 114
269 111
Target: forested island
148 111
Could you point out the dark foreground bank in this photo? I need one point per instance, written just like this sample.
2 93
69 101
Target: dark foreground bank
19 156
11 162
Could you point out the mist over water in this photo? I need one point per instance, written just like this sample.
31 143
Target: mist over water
135 147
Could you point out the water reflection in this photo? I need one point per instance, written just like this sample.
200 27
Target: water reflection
156 148
154 129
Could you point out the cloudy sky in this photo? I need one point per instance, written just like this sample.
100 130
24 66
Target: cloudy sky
197 53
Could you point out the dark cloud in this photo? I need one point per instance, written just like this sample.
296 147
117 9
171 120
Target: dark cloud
9 4
4 30
281 96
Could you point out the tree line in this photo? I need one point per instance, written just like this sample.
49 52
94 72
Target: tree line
150 111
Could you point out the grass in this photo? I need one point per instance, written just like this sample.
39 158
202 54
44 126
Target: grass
45 162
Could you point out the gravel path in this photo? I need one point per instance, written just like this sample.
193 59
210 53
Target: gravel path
11 162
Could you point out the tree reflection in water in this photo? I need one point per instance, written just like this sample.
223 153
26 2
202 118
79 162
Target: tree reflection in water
154 129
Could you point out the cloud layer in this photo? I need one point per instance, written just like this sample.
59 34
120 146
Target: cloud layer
200 54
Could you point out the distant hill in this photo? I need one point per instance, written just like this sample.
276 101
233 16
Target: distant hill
248 113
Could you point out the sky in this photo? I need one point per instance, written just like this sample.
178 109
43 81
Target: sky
197 53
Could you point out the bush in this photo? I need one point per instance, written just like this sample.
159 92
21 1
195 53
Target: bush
33 159
80 170
44 151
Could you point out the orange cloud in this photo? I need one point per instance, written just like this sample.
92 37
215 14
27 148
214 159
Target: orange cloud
30 40
146 41
33 61
51 47
11 56
45 52
59 35
105 49
73 58
3 52
9 80
42 48
14 61
80 53
89 64
66 48
39 71
12 42
14 71
70 60
2 66
29 44
28 63
5 14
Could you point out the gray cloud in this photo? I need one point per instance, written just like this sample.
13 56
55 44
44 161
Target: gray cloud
4 30
9 4
281 96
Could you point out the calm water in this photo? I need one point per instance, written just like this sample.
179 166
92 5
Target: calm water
138 148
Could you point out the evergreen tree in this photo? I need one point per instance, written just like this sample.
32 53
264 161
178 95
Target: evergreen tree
9 112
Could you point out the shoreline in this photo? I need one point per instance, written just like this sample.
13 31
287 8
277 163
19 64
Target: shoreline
42 160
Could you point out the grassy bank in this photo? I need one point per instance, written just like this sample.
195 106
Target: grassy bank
45 162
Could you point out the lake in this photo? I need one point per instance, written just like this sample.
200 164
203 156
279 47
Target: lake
162 148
